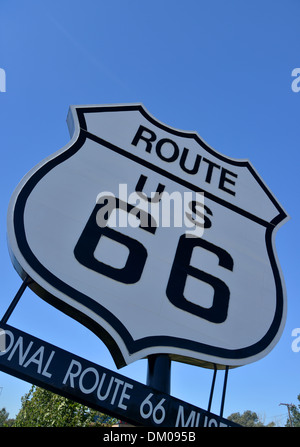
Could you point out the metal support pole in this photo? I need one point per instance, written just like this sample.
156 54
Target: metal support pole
16 299
224 391
212 387
159 372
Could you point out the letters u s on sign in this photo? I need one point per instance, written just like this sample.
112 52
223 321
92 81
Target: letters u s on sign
214 297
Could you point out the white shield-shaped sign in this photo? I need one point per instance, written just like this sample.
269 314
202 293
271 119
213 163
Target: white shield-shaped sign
152 239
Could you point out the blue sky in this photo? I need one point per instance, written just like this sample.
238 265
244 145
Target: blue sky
222 69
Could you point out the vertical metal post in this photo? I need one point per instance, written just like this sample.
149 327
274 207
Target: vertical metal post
159 372
16 299
212 387
224 391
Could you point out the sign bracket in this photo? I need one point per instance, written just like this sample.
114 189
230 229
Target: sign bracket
16 299
224 390
212 387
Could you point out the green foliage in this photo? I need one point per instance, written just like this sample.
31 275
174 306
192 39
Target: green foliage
3 417
41 408
4 421
248 419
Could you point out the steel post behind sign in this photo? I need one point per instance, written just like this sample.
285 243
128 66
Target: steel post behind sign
159 372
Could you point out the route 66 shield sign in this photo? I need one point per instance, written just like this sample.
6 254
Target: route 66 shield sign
152 239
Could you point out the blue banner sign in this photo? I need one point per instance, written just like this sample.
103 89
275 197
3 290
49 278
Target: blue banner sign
47 366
